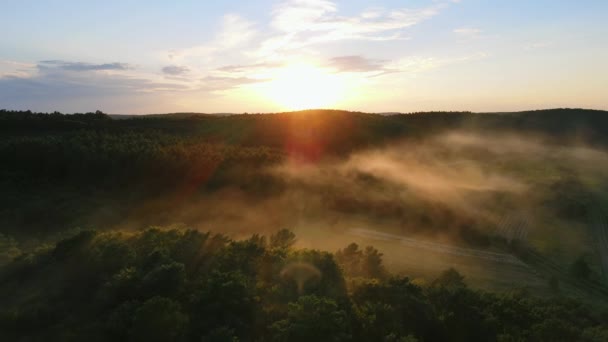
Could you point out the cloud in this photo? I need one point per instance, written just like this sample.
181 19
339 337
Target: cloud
417 64
355 64
79 66
296 24
305 22
10 68
215 83
235 31
411 64
239 53
295 29
241 68
320 16
296 15
175 70
80 86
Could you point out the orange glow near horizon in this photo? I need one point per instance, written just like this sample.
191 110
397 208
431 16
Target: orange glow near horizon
304 86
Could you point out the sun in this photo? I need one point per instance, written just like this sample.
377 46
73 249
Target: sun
304 86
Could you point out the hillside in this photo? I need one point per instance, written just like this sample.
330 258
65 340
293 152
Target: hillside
185 222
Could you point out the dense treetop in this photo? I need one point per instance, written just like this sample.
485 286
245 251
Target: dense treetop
68 180
184 285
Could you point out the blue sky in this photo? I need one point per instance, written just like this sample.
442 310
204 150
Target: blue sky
236 56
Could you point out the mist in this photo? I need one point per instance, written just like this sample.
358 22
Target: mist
459 189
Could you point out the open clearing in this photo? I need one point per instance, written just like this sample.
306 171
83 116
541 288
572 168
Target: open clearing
485 269
426 259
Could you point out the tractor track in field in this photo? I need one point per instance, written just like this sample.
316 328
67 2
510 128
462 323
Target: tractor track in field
548 267
513 227
441 248
525 257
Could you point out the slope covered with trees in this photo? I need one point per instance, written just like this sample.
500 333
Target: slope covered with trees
185 285
79 261
82 162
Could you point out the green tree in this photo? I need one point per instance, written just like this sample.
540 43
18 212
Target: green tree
312 318
283 239
580 268
349 259
357 263
159 319
372 266
224 299
394 307
164 280
450 279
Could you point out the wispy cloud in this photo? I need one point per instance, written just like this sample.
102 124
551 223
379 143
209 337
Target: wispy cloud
417 64
296 24
304 22
80 86
411 64
299 16
356 64
241 52
10 68
175 70
235 31
296 29
80 66
242 68
215 83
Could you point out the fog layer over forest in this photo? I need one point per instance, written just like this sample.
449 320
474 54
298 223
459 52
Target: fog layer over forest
301 215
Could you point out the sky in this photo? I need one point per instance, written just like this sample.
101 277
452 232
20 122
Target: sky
234 56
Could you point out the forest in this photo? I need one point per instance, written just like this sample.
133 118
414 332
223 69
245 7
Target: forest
315 225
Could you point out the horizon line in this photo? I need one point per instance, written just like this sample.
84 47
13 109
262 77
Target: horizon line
307 110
